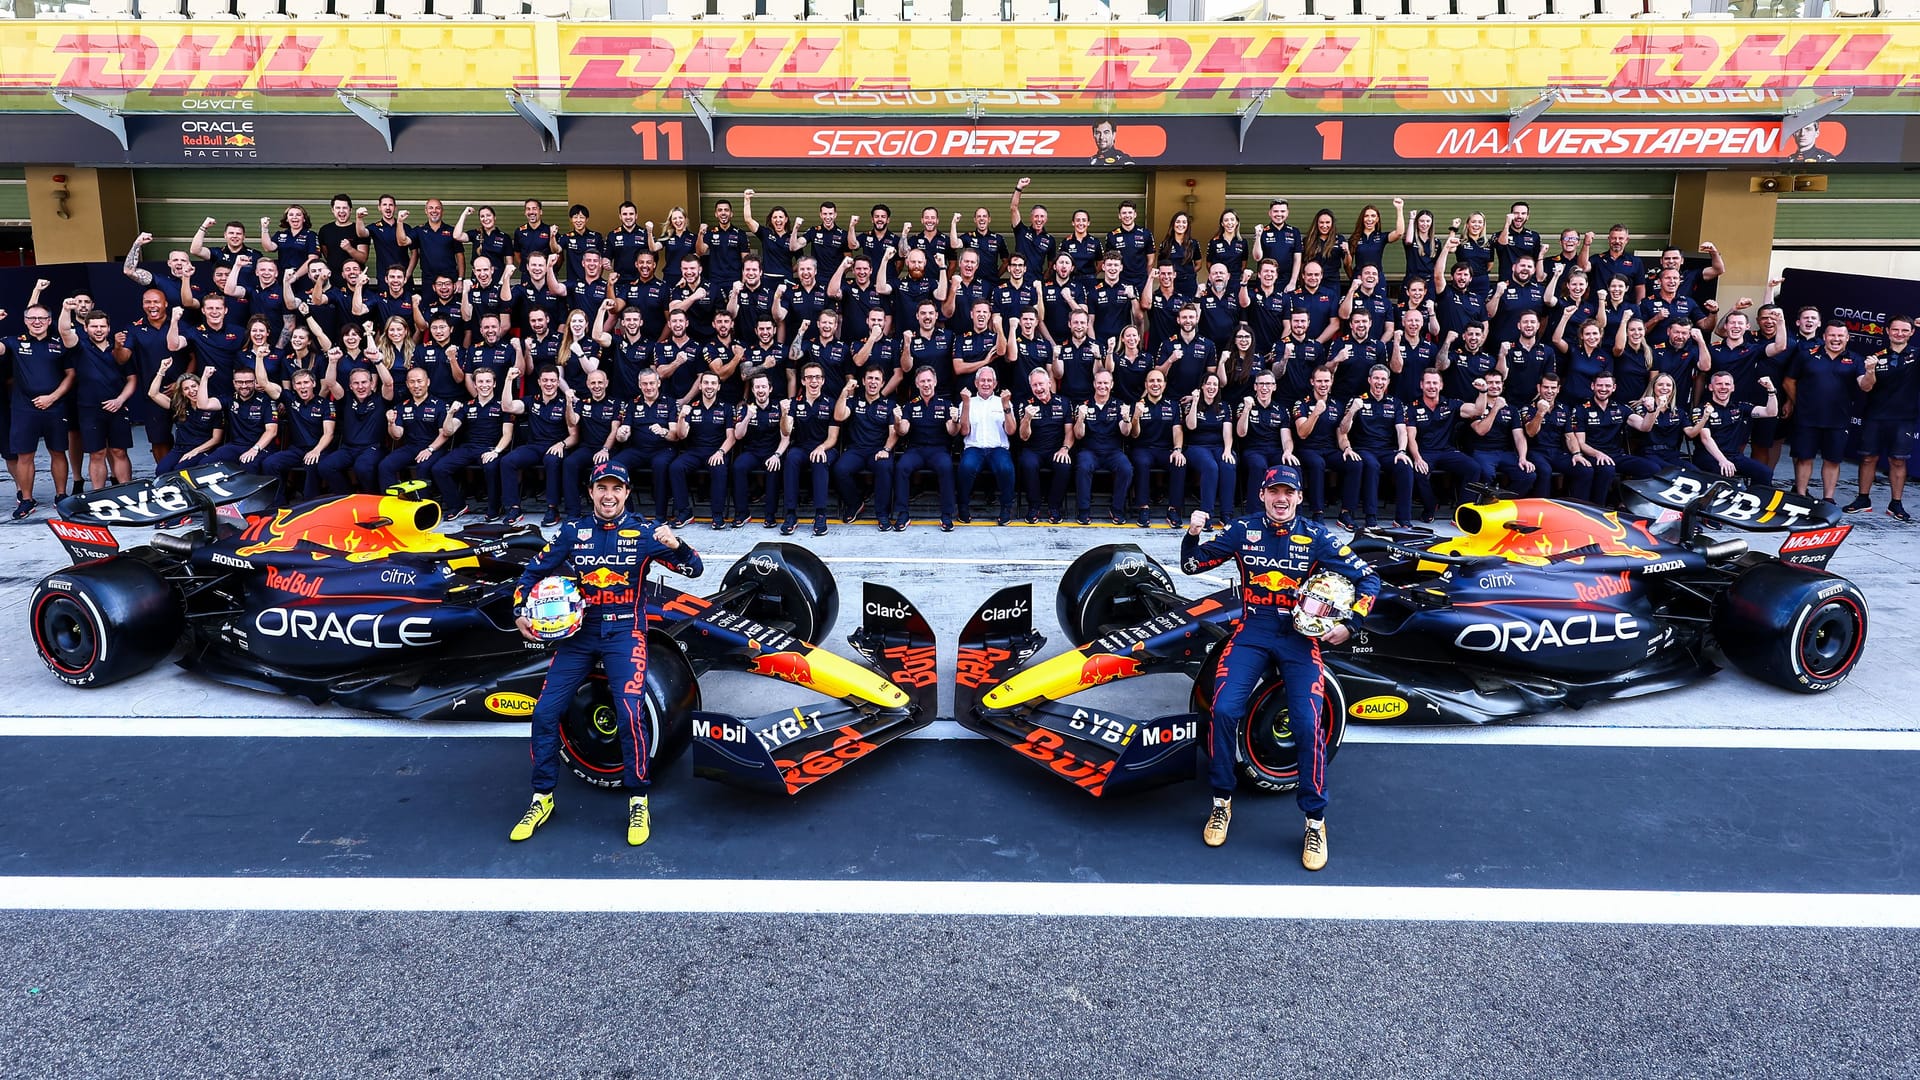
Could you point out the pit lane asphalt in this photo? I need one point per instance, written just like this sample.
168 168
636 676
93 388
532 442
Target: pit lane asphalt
521 994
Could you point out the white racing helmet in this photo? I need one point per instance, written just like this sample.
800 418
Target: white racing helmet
1326 600
555 608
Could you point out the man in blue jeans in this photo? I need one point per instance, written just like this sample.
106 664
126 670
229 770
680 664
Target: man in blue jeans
1277 551
987 423
608 552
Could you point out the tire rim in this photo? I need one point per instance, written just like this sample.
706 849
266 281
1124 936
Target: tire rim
65 635
1831 639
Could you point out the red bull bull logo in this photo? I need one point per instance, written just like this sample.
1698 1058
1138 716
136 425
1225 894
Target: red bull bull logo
786 666
1106 667
364 527
1534 530
1272 581
603 578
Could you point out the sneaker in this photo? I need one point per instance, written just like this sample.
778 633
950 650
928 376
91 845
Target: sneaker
1215 833
734 523
511 517
853 514
965 517
1006 518
1146 518
1313 851
456 513
1084 520
23 507
1034 519
79 487
770 523
946 526
537 814
717 524
1861 504
1175 517
787 526
1345 521
639 821
820 525
1898 512
550 519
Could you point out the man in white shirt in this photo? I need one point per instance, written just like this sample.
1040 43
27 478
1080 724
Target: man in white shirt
986 423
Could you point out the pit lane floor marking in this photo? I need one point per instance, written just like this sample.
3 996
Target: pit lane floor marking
351 726
800 897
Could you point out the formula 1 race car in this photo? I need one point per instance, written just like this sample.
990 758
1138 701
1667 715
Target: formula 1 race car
356 600
1540 603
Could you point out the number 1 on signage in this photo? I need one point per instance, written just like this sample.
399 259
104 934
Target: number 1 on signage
653 136
1331 132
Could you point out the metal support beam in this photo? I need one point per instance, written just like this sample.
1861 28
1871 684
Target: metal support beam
702 111
1798 120
100 113
976 106
1518 119
539 117
374 116
1251 112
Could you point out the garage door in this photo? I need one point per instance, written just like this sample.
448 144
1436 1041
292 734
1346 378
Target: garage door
13 197
1858 210
173 202
1642 201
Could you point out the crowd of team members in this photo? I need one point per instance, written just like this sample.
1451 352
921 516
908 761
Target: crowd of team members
846 359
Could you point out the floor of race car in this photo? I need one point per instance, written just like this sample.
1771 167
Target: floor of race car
1716 881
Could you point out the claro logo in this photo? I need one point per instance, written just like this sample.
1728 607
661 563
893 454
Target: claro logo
1526 637
1018 610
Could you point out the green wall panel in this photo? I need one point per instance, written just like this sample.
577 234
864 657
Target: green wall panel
1874 209
801 191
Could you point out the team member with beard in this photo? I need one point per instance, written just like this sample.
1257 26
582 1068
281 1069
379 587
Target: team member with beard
760 446
547 422
867 425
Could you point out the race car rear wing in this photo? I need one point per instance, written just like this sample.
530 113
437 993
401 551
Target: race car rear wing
1679 501
164 498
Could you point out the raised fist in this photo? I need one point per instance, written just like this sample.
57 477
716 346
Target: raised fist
209 223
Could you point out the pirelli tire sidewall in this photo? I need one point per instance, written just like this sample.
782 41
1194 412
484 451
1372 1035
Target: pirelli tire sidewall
96 624
1797 628
1264 752
589 732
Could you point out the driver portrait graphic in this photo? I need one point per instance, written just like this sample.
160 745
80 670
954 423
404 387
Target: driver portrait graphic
1104 150
608 553
1286 614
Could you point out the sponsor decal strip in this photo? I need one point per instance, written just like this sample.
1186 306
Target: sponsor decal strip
1111 900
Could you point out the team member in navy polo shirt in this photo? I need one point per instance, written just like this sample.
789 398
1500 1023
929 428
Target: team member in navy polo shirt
1317 299
926 426
1187 355
42 378
217 346
1099 428
533 238
1032 241
1515 240
1373 441
1820 388
723 245
705 430
252 425
1548 421
546 420
1046 442
1497 441
1600 436
1432 429
485 433
1159 440
146 343
104 385
360 416
867 421
1280 243
489 241
1133 242
294 244
1891 382
196 420
576 242
1720 427
599 416
307 417
812 444
415 425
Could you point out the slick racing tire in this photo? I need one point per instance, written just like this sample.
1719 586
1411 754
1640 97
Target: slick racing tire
590 733
790 588
1796 628
1264 753
102 622
1108 586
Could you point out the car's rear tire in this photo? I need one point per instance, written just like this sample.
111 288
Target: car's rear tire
1264 753
793 590
590 734
102 622
1106 587
1796 628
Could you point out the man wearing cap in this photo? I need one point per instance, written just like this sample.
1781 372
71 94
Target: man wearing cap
608 552
1277 552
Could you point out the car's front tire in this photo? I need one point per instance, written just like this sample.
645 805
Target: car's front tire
590 733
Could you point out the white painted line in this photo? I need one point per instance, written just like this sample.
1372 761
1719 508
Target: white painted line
374 727
1680 738
1126 900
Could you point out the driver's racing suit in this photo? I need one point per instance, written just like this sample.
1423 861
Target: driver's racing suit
1275 559
610 559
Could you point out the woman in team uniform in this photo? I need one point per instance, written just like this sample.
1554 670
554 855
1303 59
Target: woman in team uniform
1209 445
1182 252
196 418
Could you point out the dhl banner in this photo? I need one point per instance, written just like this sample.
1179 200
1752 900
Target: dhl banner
865 68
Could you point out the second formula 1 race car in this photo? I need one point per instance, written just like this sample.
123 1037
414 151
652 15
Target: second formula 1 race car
1539 604
357 600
